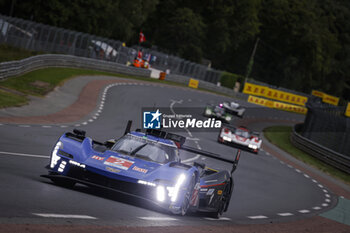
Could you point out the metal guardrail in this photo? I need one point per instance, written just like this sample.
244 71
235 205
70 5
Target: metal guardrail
206 85
34 36
14 68
324 154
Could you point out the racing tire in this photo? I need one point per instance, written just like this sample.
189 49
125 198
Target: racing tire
63 183
225 200
187 198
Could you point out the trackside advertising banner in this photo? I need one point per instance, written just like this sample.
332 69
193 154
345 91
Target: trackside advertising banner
347 111
270 93
329 99
277 105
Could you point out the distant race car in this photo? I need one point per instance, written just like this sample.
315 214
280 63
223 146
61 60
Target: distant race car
140 63
240 137
218 112
233 108
146 165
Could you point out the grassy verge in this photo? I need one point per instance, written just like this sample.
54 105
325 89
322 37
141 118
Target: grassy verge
42 81
280 136
8 99
9 53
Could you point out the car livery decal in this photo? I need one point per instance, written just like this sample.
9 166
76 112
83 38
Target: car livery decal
112 169
143 170
97 157
195 196
120 163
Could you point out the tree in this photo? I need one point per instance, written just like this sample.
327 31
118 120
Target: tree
182 32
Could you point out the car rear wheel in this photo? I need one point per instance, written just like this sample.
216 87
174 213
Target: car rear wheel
187 198
225 200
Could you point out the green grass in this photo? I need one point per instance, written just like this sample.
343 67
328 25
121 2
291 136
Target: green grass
8 99
9 53
53 77
42 81
49 78
280 136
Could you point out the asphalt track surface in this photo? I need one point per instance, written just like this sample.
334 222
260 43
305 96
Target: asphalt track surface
267 190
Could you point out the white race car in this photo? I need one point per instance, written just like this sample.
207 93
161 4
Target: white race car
233 108
240 137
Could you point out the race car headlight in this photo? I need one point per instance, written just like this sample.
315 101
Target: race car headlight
173 191
160 193
226 138
54 157
146 183
254 147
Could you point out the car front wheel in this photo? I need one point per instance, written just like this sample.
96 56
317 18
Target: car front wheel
187 198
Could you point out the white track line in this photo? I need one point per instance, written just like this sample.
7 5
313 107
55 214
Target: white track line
257 217
158 218
218 219
173 102
64 216
285 214
24 126
191 159
24 155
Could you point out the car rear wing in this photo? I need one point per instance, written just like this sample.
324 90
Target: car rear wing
214 156
180 140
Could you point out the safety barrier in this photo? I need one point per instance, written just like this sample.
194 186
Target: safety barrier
324 154
206 85
274 94
277 105
14 68
34 36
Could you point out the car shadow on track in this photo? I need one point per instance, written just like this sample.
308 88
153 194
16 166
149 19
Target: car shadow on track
114 196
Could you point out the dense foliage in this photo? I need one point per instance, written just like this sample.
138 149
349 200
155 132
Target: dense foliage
303 44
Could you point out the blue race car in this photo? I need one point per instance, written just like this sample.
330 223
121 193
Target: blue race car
146 165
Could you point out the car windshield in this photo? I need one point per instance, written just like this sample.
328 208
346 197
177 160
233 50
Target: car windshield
242 133
146 149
